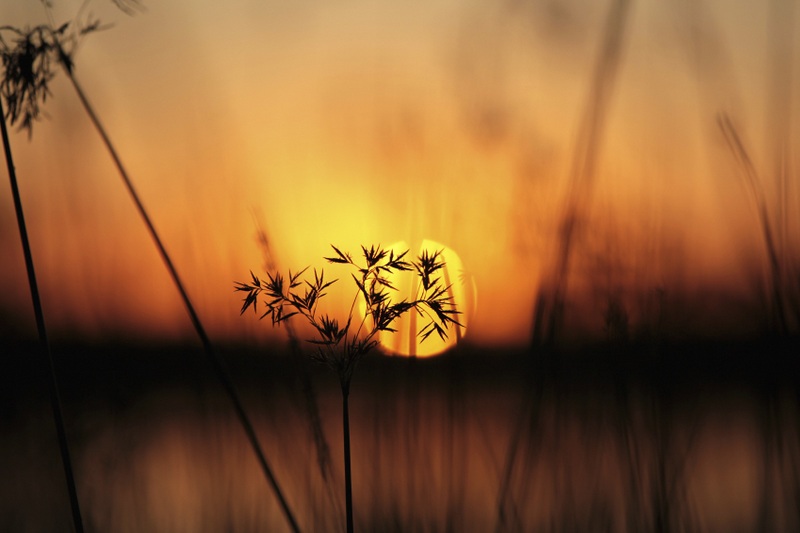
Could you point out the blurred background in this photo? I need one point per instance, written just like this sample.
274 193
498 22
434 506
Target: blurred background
617 179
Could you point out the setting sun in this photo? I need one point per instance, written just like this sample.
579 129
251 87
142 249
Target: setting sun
406 340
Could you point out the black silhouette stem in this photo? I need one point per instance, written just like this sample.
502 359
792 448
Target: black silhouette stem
218 365
348 480
55 398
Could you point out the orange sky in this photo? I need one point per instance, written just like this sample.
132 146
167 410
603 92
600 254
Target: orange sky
376 122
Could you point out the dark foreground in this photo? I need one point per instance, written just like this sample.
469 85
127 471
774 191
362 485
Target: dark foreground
681 438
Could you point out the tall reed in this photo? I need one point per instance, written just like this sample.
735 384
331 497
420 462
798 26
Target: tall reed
26 72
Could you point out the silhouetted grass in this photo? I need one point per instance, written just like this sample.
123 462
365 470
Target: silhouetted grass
26 73
342 347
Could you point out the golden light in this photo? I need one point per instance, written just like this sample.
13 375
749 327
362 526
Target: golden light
406 340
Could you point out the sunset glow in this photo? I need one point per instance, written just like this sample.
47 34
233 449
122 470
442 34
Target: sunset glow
373 123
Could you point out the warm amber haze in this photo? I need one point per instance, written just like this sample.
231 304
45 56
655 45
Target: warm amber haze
612 184
379 122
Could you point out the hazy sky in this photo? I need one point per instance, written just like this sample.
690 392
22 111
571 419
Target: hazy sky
356 122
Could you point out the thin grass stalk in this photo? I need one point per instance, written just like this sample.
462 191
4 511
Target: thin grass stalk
526 435
55 398
781 16
780 22
550 301
506 507
321 445
348 480
218 365
769 400
410 411
625 428
455 463
751 179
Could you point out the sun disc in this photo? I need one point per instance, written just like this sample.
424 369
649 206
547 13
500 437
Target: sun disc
406 341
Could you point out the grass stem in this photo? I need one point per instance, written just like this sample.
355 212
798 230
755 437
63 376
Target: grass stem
55 398
348 479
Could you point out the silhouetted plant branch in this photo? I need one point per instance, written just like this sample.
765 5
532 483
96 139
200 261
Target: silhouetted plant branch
30 57
342 346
